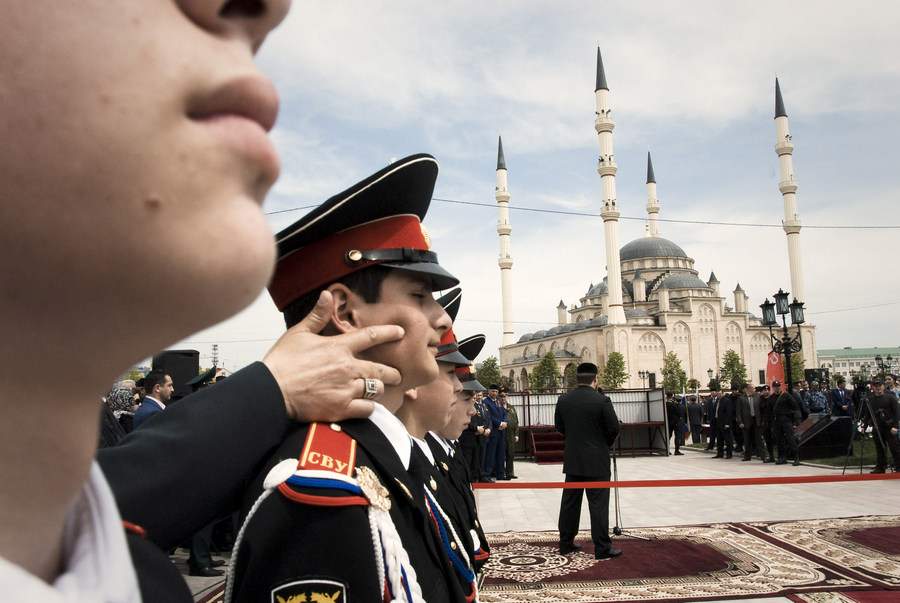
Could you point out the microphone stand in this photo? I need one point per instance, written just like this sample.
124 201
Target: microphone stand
618 512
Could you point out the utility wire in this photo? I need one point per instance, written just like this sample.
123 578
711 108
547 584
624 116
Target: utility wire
637 218
592 215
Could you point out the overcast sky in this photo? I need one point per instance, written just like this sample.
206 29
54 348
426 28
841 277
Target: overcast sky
362 83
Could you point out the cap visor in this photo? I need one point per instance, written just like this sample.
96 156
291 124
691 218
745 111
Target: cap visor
440 278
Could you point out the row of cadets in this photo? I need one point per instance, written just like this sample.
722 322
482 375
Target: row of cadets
429 408
451 461
338 511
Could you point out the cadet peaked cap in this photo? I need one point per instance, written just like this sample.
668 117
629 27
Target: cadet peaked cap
376 221
450 302
448 349
470 347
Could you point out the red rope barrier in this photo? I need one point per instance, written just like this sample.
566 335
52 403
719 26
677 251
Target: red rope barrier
681 483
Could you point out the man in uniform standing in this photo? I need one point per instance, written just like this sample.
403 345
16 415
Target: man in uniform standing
512 435
495 420
885 414
588 421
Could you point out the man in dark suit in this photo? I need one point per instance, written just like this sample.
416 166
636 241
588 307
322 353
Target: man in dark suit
588 421
750 419
159 392
725 424
710 408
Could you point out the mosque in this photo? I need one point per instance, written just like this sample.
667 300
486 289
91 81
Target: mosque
652 300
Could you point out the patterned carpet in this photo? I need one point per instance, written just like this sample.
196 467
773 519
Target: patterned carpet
688 563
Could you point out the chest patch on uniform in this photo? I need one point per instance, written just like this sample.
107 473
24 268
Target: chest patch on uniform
310 591
328 450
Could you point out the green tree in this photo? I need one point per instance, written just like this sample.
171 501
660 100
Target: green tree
713 384
674 378
797 366
489 372
614 374
693 384
545 375
733 370
571 379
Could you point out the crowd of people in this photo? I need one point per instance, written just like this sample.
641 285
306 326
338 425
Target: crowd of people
755 421
489 441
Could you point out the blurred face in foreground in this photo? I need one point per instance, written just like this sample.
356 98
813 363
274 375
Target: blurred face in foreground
125 117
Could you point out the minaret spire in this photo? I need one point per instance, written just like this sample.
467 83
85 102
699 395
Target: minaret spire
604 125
505 260
784 147
652 201
601 75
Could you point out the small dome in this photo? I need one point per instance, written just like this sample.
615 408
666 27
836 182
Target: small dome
567 328
636 313
552 331
597 321
597 290
683 280
581 326
651 247
539 335
525 337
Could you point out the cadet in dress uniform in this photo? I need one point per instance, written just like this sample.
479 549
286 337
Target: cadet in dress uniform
428 410
452 464
338 510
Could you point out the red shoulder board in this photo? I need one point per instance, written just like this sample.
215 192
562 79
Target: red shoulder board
328 448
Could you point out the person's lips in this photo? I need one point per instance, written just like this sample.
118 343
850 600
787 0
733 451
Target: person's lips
242 111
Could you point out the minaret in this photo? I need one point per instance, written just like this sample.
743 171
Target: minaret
652 201
784 146
561 314
505 261
610 212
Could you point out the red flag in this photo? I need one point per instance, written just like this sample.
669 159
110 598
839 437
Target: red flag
774 369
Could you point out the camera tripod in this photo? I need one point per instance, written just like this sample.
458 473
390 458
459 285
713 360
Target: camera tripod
857 420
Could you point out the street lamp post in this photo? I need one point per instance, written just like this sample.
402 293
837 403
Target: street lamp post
884 364
785 344
643 375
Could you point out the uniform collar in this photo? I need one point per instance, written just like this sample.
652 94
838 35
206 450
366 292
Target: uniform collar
394 431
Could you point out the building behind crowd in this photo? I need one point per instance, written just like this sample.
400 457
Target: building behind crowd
652 300
850 362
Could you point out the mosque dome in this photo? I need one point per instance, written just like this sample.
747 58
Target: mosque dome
650 247
683 280
636 313
525 337
539 334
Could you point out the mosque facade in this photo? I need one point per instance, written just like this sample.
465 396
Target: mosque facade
652 300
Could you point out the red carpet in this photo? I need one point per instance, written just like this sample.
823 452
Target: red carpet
713 562
853 560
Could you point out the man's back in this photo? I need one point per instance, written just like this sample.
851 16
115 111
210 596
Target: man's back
589 422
